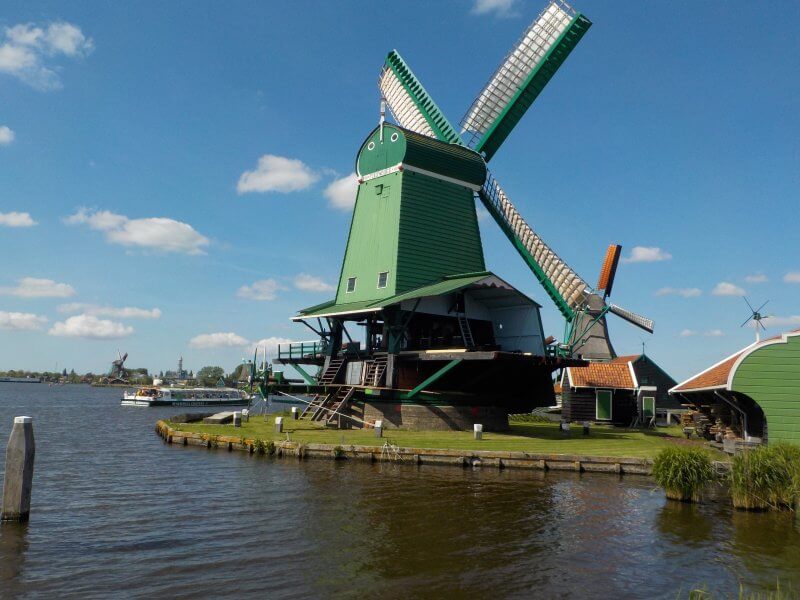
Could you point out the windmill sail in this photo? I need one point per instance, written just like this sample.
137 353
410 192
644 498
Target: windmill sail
632 317
523 74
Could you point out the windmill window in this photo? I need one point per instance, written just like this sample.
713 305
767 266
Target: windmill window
351 284
394 137
383 277
371 146
379 189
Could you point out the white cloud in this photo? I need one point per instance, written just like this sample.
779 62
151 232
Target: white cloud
685 292
155 233
309 283
32 287
714 333
16 219
28 52
341 193
646 254
792 277
90 327
17 321
688 333
6 135
270 343
277 174
498 7
264 289
218 340
125 312
725 288
756 278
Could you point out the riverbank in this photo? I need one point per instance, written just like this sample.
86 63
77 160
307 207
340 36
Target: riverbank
525 445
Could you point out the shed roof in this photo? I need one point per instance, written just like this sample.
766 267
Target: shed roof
718 375
616 374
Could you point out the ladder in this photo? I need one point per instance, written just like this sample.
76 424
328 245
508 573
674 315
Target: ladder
338 400
466 332
334 366
312 407
375 370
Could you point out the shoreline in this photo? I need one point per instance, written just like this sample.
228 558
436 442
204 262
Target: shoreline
499 459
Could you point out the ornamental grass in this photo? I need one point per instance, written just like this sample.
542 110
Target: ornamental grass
684 473
766 477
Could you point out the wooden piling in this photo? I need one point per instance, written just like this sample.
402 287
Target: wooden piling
18 481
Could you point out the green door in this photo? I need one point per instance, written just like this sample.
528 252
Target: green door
603 405
648 407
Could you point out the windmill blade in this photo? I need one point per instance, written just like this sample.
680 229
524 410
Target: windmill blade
632 317
409 103
609 270
746 321
523 74
562 284
758 310
750 306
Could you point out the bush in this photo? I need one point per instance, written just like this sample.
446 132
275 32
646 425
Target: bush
683 472
766 477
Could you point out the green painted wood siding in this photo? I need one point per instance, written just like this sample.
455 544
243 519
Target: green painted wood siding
771 377
372 243
438 234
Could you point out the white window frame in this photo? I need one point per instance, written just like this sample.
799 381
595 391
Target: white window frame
386 281
610 406
347 289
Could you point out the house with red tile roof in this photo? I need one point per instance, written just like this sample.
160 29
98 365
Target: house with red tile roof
617 391
753 394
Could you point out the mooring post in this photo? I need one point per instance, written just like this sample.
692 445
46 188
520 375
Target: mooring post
18 479
378 428
278 424
477 430
237 418
245 415
295 414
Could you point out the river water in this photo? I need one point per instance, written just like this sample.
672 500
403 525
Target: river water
118 513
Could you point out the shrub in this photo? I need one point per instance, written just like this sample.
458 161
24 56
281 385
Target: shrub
260 446
767 476
683 472
338 452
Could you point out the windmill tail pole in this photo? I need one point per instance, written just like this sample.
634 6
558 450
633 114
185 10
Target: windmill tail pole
18 480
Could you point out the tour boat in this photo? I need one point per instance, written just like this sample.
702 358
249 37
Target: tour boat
168 396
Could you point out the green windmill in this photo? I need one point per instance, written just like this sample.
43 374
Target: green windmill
512 89
420 334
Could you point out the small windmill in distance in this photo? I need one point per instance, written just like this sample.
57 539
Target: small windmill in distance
756 317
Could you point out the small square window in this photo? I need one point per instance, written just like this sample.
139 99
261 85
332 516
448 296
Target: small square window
379 189
382 279
351 284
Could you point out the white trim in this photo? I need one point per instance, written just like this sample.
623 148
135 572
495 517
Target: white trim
569 378
414 169
610 406
783 339
381 173
696 375
336 314
633 375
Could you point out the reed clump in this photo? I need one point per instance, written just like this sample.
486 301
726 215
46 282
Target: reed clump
684 473
766 477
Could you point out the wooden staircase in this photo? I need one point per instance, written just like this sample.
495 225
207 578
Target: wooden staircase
338 400
466 332
375 371
330 374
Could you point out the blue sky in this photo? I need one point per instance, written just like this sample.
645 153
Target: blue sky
167 168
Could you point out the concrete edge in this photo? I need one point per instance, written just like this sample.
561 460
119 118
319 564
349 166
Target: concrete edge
617 465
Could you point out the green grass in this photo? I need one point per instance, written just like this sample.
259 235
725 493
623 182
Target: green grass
544 438
683 472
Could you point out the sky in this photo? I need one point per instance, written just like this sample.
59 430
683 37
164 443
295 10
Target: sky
176 177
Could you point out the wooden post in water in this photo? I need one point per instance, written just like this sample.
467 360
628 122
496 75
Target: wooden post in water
18 479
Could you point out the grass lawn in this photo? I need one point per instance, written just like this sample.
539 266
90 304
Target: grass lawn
544 438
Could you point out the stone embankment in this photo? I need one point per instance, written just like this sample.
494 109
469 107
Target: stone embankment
420 456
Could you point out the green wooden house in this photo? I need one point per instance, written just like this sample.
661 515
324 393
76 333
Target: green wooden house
753 393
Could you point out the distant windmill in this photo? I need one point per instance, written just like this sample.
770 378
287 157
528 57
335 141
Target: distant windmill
756 317
118 366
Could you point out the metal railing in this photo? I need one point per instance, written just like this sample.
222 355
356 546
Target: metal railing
302 350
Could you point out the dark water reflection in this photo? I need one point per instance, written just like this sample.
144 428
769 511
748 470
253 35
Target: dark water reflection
118 513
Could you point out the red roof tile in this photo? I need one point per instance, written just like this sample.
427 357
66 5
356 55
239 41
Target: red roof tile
615 374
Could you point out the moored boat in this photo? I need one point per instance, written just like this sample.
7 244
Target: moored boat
168 396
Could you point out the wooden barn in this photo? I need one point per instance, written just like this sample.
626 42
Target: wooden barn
752 395
621 391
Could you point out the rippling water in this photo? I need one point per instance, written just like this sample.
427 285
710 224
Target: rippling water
116 512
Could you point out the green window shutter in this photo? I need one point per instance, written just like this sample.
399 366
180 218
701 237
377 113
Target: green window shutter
603 399
649 407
